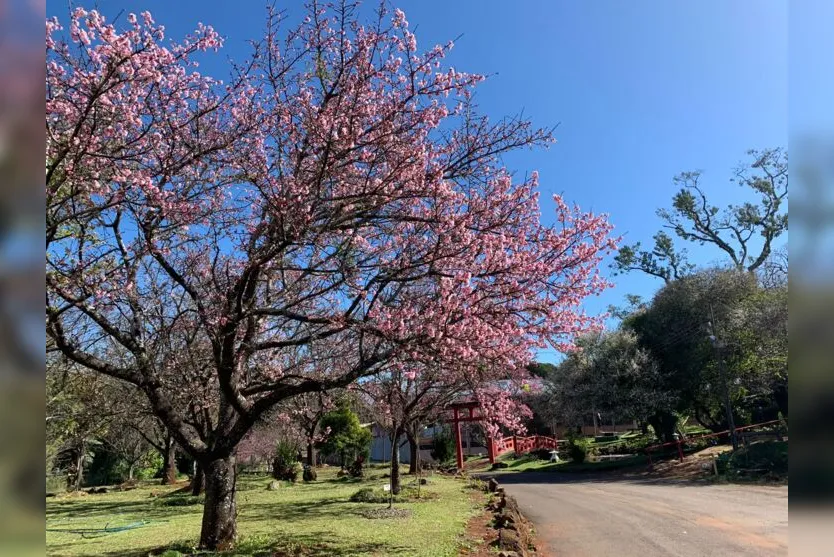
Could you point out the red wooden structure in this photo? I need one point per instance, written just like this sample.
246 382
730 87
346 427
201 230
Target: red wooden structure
457 408
495 448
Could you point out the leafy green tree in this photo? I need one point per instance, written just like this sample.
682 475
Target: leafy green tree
77 417
345 436
757 336
748 326
745 233
540 369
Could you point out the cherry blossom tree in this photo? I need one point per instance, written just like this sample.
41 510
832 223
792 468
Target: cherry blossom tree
259 445
205 239
407 396
306 412
402 398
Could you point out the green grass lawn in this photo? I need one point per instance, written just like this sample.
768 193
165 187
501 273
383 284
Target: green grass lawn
301 519
532 464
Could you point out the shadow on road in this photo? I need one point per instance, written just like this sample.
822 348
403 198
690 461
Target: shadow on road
628 477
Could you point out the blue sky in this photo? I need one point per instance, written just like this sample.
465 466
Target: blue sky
641 90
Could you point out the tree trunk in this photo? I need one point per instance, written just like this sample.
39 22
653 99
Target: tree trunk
664 426
130 472
198 482
708 421
169 462
395 462
311 436
311 454
780 396
79 467
220 510
414 466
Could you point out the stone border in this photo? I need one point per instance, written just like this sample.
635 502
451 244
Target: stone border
515 534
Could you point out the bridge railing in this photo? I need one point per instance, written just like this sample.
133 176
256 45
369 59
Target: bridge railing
776 427
522 445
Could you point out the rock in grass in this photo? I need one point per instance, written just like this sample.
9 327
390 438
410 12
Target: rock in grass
273 486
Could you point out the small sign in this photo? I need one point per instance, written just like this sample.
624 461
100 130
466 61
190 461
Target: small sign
386 487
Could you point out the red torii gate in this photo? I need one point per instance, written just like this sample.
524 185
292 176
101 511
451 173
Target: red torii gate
456 420
517 444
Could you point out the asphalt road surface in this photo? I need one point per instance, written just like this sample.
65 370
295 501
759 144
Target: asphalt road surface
580 516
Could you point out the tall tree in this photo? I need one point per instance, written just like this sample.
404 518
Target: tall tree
210 233
748 323
608 373
744 233
405 398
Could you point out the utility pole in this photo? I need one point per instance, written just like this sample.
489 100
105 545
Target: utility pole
722 370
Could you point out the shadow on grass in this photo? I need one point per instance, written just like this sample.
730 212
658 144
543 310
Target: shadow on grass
345 480
309 544
83 508
523 460
63 515
292 511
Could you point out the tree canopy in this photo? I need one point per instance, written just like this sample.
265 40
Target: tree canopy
745 233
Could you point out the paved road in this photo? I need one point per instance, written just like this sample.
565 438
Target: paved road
578 516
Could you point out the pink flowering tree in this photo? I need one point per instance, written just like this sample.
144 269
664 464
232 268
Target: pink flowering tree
259 445
306 412
337 195
404 398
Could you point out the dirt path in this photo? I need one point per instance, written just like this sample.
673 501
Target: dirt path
578 516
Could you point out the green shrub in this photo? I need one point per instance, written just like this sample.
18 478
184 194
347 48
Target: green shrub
366 495
443 446
371 495
292 473
578 449
541 454
769 456
309 474
638 444
285 465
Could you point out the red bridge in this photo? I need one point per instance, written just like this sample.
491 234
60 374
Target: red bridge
495 447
